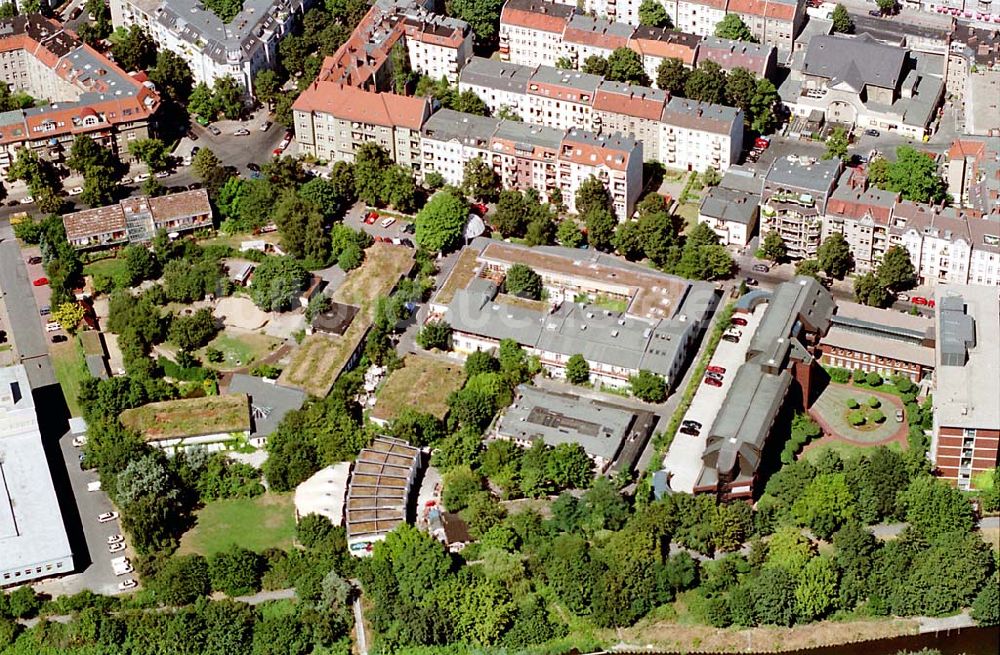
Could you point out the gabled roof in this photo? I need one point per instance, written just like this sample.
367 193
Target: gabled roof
354 104
537 15
856 61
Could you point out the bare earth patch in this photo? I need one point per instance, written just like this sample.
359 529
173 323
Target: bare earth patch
423 383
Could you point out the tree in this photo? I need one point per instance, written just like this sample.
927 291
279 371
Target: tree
68 315
816 593
201 102
836 144
648 386
986 606
790 550
826 505
460 485
569 235
577 370
869 291
152 152
182 580
601 224
625 65
172 76
652 14
733 28
711 177
439 225
886 6
895 271
914 175
277 283
842 20
235 571
934 508
434 335
480 181
707 83
483 16
522 281
209 170
511 215
226 10
773 247
762 106
267 86
228 96
192 332
595 65
672 75
324 196
834 256
741 86
133 48
592 194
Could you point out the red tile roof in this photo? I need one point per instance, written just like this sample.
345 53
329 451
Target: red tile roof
354 104
635 104
961 149
544 16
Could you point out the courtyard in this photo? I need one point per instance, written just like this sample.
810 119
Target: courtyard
835 412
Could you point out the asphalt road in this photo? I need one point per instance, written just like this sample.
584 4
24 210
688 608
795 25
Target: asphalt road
22 312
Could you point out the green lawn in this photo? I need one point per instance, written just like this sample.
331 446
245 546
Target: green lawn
243 349
842 448
70 370
111 267
255 523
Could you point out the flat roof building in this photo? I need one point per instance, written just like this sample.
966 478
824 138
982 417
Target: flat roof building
966 437
378 493
269 403
324 494
212 422
137 220
33 541
601 429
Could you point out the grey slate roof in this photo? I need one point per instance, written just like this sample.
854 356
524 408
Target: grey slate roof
269 401
811 175
956 331
584 82
696 115
802 303
496 75
855 60
448 124
730 205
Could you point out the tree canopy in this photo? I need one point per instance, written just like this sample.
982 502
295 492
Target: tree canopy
441 223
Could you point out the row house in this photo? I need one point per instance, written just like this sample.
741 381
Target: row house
862 215
333 120
87 93
793 201
536 33
677 132
137 220
530 156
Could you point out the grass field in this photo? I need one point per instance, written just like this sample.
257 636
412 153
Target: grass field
70 370
842 448
255 523
242 348
190 417
110 267
319 360
423 383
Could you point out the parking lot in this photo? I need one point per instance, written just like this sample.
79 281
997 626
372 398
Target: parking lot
355 218
683 460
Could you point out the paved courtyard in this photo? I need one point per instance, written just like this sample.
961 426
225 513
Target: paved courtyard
831 411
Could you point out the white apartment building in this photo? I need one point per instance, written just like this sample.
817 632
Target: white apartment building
438 45
333 120
530 156
531 31
677 132
793 201
212 48
699 16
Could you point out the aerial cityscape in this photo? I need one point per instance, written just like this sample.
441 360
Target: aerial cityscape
499 327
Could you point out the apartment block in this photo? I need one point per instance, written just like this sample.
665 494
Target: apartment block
333 120
758 58
677 132
654 44
774 22
793 201
862 214
973 174
86 92
656 331
138 219
531 31
529 156
732 208
966 403
212 48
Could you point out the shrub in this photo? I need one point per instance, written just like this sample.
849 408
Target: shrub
877 416
873 379
840 375
856 418
859 376
852 403
874 402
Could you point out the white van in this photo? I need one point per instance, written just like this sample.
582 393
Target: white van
51 326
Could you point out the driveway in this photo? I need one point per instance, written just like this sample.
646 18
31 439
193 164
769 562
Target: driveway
22 311
683 460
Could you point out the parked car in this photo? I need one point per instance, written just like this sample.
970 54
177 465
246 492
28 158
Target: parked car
193 186
253 167
51 326
688 431
41 282
902 297
370 218
80 442
59 338
875 12
201 120
730 338
277 151
127 584
73 15
123 570
116 548
44 310
214 130
712 382
195 150
899 416
75 191
714 376
26 200
34 260
162 174
916 300
761 268
736 333
115 539
141 177
191 135
265 126
716 369
751 281
737 320
387 221
407 243
874 133
107 517
694 424
242 132
480 208
761 143
409 228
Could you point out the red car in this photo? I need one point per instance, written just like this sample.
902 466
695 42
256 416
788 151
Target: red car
277 152
919 300
736 320
480 208
761 142
371 217
712 382
716 369
41 282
